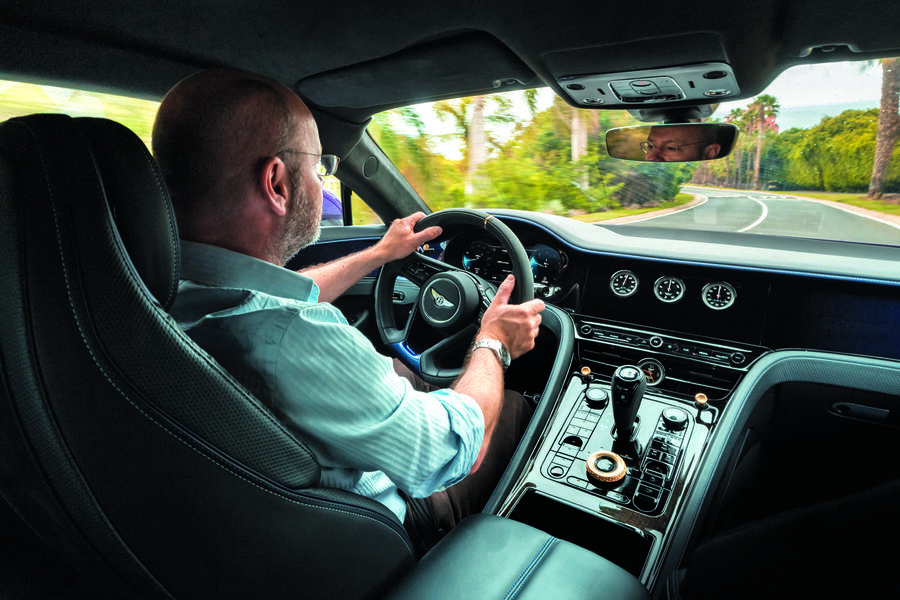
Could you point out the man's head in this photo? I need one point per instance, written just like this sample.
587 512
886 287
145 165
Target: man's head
239 154
669 143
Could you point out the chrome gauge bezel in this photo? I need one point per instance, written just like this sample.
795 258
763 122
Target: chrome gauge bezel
676 280
724 285
631 291
657 366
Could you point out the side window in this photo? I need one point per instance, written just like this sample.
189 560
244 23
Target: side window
362 214
333 193
18 99
332 207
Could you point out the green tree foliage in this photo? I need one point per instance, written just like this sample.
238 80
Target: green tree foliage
401 134
24 98
836 155
532 167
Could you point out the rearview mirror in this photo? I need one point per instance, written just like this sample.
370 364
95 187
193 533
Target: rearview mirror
680 142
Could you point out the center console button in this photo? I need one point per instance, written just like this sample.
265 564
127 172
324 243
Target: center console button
675 419
657 468
653 479
596 397
617 497
557 471
645 503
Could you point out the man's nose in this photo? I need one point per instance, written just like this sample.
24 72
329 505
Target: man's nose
654 154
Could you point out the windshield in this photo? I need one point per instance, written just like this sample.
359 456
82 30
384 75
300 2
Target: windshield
812 159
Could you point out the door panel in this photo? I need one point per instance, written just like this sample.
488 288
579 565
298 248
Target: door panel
357 303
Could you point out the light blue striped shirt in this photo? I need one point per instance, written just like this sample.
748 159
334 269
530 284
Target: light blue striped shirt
371 432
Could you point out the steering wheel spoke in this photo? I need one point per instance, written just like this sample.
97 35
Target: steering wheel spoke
419 268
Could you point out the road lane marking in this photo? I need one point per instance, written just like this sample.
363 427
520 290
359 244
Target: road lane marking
765 213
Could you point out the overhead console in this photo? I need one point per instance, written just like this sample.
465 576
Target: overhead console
700 83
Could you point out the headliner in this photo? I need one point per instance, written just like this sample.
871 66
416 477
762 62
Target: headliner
352 59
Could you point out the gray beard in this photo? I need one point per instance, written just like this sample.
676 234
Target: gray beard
301 229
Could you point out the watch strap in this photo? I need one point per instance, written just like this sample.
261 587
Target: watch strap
498 348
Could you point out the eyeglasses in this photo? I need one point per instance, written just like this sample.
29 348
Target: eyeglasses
327 164
648 147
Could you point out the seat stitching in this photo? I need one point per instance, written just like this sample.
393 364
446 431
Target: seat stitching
66 276
173 235
529 570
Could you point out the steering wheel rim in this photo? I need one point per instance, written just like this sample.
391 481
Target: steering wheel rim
438 281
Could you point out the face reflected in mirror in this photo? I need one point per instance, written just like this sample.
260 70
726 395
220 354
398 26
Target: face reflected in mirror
670 143
683 142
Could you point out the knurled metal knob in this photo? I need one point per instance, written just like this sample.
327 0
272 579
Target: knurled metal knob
605 467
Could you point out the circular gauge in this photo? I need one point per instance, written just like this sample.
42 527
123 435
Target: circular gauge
719 295
653 370
623 283
669 289
478 258
546 263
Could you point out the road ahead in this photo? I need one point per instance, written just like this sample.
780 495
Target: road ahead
776 214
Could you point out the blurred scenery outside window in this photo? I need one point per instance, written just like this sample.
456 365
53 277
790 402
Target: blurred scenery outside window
827 134
820 136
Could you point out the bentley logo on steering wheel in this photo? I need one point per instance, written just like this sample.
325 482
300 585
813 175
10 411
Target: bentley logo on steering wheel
440 301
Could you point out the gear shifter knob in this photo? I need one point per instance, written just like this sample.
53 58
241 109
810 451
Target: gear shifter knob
628 385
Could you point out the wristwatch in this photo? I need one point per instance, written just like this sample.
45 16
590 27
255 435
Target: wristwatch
499 350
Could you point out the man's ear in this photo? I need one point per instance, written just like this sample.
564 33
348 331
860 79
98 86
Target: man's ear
712 151
274 185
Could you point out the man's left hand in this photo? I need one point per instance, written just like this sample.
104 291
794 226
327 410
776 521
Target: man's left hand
402 240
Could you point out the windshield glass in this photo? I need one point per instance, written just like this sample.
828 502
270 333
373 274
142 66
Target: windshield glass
802 165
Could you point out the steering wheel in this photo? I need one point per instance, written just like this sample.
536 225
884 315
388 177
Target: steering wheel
450 302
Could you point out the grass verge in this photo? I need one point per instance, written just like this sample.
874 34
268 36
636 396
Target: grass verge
679 200
888 205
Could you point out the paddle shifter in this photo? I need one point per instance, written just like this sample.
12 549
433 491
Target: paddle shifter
628 385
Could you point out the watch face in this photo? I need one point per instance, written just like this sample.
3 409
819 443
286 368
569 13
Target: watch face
503 354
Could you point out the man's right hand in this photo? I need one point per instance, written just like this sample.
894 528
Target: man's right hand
516 325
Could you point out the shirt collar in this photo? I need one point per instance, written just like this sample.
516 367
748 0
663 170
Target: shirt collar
219 267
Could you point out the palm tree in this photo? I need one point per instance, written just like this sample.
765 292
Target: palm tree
732 177
888 125
469 116
763 107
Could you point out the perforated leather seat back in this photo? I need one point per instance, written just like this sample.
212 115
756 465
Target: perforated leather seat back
121 442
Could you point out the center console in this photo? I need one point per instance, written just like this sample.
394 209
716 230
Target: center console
624 441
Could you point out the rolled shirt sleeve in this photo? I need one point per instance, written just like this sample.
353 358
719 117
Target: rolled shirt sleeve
354 410
370 430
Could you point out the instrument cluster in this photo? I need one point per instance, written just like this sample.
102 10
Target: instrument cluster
490 261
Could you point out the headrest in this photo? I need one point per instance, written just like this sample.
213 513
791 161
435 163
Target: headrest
129 183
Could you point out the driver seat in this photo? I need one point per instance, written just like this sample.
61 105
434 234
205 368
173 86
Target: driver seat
122 444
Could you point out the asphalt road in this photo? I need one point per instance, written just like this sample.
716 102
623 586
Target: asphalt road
776 214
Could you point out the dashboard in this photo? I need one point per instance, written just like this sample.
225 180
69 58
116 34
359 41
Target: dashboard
723 328
737 290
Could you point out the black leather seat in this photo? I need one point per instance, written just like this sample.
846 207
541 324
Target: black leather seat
129 451
122 444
